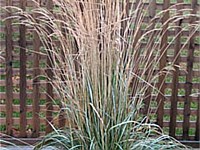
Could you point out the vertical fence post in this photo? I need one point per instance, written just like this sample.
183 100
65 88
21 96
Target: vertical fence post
137 35
174 96
197 135
23 94
62 114
188 84
125 8
49 105
36 92
163 60
9 72
152 12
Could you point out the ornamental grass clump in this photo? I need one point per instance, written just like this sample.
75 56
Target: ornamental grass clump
103 66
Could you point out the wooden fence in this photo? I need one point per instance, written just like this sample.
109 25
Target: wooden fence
25 97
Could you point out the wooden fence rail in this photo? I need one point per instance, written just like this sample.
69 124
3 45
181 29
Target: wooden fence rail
26 97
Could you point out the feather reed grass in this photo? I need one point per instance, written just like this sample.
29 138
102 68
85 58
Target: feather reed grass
102 71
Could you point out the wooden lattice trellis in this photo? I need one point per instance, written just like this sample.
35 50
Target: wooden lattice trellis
25 98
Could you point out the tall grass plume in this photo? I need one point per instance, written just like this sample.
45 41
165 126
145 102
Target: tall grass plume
104 61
